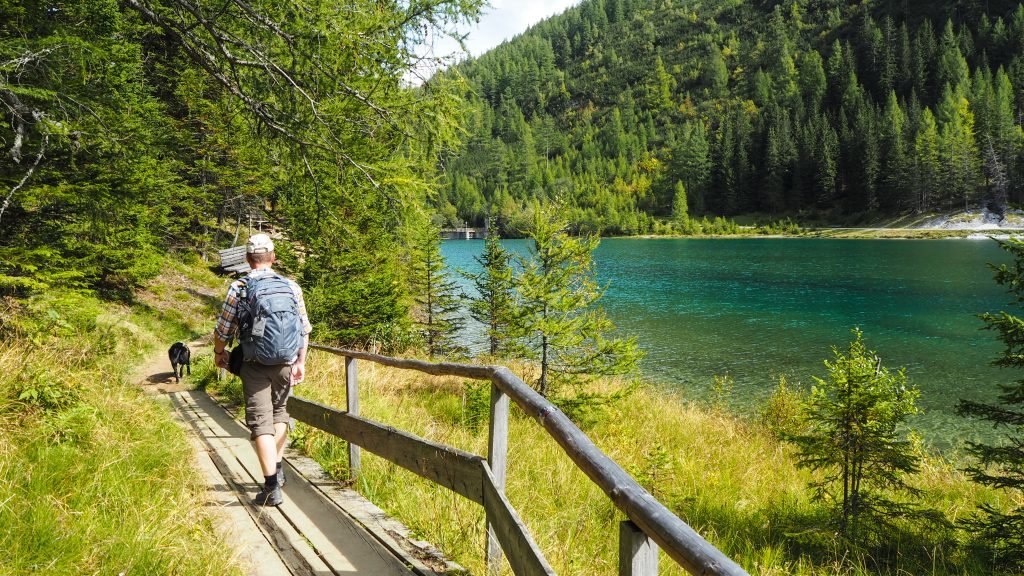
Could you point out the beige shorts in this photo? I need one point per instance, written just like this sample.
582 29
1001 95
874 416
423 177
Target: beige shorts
266 396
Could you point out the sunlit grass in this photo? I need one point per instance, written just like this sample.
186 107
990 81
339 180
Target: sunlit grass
95 476
729 479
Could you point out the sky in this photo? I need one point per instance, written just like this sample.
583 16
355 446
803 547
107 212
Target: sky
502 20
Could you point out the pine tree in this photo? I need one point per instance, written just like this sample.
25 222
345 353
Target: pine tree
1001 464
958 149
494 306
562 324
438 309
680 211
716 75
851 433
812 80
952 67
826 156
894 156
927 163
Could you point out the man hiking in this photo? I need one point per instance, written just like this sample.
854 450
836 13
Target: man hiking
268 314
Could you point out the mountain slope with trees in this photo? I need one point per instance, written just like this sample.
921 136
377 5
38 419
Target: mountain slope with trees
825 110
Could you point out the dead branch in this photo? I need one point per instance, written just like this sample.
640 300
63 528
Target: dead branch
39 156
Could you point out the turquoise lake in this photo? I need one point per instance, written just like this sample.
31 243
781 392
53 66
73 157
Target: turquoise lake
758 308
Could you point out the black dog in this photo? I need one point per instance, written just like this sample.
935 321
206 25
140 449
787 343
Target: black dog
181 358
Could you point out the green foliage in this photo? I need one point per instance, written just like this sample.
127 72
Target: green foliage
562 326
494 304
1001 464
781 413
680 207
355 295
438 310
92 467
785 227
851 434
722 386
140 127
220 384
476 403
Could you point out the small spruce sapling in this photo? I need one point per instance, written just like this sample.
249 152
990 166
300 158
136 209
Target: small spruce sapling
852 435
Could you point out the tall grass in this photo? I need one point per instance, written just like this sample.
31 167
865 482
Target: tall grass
95 476
728 478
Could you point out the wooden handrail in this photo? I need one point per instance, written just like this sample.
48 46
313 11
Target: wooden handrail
681 542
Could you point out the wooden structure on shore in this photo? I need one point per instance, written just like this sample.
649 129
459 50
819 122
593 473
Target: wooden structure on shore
464 233
482 480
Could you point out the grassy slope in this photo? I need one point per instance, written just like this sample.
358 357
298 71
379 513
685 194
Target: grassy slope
729 479
96 477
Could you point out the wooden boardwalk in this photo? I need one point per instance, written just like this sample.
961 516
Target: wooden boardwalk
321 528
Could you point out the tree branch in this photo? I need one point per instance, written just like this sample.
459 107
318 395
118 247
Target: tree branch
39 156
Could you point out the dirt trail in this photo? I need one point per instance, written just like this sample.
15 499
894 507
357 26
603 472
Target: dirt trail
155 375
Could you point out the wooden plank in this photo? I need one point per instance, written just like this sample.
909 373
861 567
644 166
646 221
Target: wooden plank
440 369
233 260
233 252
326 538
421 556
209 420
352 400
522 552
240 531
342 544
678 539
638 554
497 458
681 542
452 468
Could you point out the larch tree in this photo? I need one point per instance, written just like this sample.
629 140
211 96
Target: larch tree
438 309
494 305
562 325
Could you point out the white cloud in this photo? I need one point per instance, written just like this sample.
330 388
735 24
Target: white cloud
507 18
501 21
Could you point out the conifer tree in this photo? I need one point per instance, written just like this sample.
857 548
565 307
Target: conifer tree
680 211
494 306
825 156
1000 464
438 305
952 67
927 164
851 434
562 325
958 148
894 155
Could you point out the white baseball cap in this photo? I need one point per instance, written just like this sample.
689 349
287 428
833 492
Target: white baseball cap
259 244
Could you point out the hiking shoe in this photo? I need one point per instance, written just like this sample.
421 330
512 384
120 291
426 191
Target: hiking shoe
281 480
269 497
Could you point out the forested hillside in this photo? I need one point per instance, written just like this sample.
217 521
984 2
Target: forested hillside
625 111
130 128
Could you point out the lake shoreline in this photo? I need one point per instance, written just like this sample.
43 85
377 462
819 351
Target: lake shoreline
859 234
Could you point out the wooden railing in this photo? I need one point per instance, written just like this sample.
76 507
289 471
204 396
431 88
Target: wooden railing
651 525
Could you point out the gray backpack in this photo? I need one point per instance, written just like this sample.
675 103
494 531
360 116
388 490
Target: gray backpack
270 328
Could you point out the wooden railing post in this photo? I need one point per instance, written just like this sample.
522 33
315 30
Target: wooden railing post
638 554
497 457
352 400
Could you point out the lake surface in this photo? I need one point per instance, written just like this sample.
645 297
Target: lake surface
758 308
